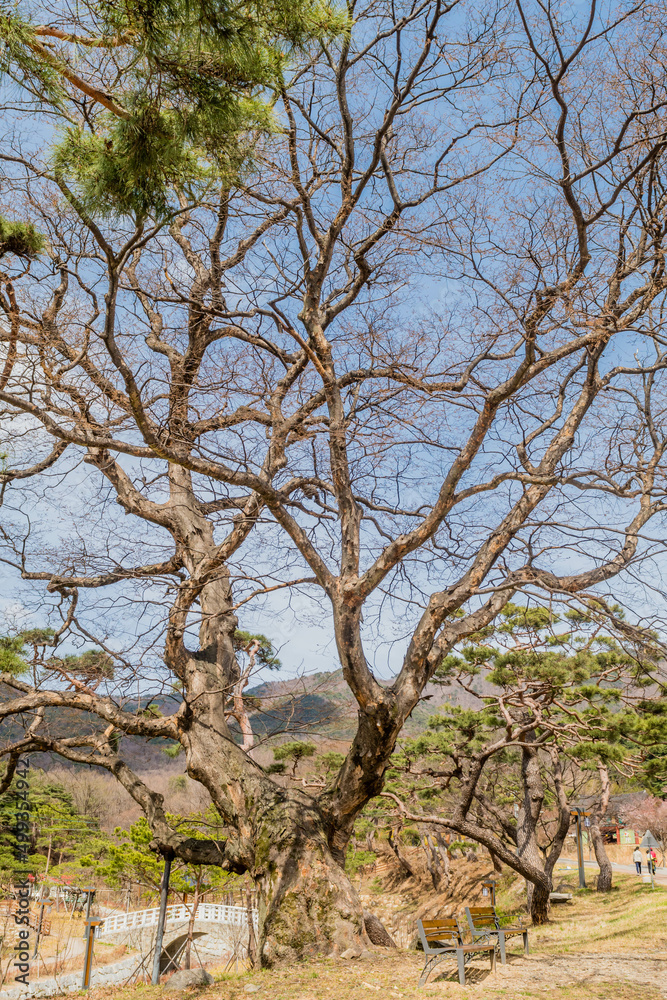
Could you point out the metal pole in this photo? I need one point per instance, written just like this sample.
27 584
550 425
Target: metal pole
580 851
159 934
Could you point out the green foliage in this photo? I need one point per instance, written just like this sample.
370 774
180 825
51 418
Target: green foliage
190 84
575 688
20 239
151 711
411 835
19 61
277 767
331 762
57 830
354 860
128 167
265 655
12 651
294 751
91 667
131 859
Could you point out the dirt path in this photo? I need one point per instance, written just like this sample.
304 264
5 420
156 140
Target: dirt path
396 977
544 973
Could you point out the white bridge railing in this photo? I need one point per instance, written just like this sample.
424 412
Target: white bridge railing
217 913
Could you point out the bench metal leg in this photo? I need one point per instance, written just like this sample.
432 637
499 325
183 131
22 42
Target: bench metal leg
493 961
430 966
525 943
501 942
460 957
430 962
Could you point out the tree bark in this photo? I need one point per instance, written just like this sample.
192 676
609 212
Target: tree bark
604 881
527 848
563 823
307 905
433 858
402 860
539 903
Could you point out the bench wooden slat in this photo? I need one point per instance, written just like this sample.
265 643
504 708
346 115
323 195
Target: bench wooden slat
434 935
483 923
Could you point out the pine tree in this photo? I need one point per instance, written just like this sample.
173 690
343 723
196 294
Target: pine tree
156 96
555 693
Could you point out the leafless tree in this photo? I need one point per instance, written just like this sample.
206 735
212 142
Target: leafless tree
413 367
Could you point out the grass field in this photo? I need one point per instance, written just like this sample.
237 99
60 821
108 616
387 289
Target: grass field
600 947
631 919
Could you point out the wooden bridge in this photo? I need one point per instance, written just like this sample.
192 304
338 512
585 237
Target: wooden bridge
217 913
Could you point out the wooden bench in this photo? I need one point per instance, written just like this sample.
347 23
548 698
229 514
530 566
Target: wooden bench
485 926
442 939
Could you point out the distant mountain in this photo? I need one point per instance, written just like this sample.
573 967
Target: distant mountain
140 754
316 705
322 704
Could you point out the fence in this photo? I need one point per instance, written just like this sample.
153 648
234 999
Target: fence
218 913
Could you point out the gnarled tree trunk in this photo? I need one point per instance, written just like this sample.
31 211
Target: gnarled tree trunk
604 881
529 814
279 835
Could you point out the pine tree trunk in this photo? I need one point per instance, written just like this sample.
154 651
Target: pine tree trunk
527 849
252 941
307 904
604 882
539 904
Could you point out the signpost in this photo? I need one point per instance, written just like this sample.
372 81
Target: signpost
91 926
649 842
89 935
489 889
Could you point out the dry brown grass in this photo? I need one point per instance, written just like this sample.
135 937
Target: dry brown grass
602 947
396 977
631 919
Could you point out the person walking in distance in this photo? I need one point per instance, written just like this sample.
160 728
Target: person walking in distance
637 858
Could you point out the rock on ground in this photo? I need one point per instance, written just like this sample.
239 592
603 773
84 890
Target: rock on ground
377 931
189 977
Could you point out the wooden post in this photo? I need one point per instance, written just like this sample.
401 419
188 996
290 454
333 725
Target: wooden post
88 954
159 933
